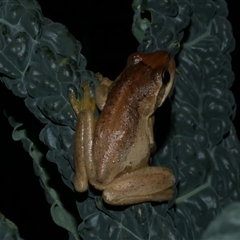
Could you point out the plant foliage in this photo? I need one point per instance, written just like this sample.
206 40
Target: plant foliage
8 230
226 226
41 62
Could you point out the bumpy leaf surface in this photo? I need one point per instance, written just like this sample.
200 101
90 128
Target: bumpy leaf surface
41 62
226 226
202 138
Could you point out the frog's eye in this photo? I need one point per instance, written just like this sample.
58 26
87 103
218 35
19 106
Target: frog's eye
166 77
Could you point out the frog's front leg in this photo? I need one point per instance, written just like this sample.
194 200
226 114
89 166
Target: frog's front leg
102 90
142 185
150 134
84 109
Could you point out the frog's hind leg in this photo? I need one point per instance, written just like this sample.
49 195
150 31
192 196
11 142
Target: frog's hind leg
84 109
142 185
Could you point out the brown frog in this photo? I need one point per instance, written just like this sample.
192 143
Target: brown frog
112 152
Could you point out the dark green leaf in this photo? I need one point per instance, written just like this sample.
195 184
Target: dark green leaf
8 230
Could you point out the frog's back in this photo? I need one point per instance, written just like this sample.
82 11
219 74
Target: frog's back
117 128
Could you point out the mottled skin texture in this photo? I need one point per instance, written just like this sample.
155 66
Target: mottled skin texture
112 153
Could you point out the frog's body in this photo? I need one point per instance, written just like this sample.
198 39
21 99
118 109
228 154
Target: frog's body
113 153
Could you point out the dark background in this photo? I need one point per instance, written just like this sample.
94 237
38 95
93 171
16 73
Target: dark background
103 31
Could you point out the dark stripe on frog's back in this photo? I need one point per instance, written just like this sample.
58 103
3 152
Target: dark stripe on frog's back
120 114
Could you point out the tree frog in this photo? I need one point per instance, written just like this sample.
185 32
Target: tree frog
112 152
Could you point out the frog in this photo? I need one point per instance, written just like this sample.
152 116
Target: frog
112 153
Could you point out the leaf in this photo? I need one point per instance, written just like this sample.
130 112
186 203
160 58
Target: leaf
202 139
8 230
37 65
226 225
135 222
64 218
168 19
60 214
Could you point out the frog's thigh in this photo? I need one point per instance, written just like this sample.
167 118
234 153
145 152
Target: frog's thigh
83 138
142 185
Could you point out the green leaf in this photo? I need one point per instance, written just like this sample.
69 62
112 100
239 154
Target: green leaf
226 225
60 214
135 222
8 230
201 147
64 218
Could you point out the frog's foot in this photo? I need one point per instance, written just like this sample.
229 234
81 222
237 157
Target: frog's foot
104 80
142 185
87 103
